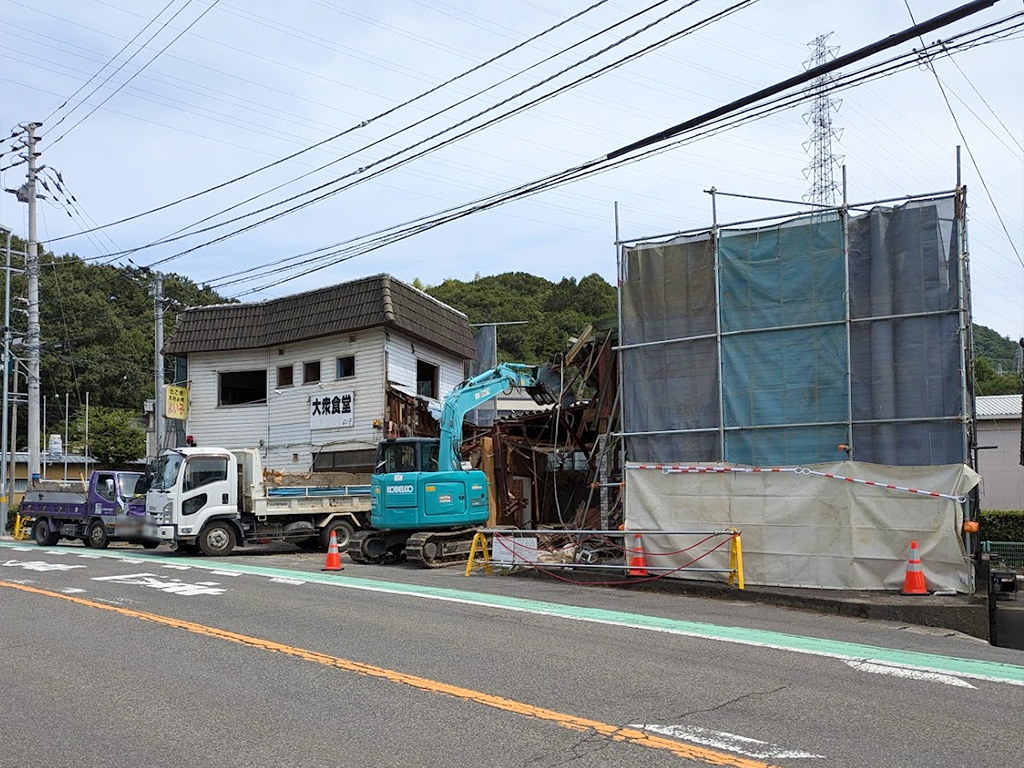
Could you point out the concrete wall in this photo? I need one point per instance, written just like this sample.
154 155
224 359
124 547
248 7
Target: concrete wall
1002 476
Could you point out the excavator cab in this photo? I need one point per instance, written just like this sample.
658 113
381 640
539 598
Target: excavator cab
412 454
410 491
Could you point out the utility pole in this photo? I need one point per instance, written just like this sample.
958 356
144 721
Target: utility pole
32 272
158 360
6 481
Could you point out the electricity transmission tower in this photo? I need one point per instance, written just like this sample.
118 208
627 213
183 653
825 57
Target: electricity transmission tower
819 116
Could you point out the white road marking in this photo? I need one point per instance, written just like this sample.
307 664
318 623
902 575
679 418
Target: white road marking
177 567
207 583
225 573
72 590
911 674
174 587
293 582
38 565
90 557
729 742
23 549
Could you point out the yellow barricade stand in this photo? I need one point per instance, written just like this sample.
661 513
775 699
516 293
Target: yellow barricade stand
736 560
479 545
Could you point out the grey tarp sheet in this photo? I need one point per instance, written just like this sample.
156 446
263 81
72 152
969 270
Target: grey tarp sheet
807 531
796 367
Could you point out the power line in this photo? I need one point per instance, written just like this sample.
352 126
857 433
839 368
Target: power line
970 154
363 123
446 142
117 90
113 58
613 159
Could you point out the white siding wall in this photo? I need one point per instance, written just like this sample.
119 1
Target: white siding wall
283 422
403 353
1002 476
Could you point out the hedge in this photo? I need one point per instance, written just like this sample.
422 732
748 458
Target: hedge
1002 525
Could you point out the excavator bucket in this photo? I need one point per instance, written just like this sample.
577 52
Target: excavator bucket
542 394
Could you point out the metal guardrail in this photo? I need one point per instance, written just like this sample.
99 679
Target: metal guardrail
634 558
1009 552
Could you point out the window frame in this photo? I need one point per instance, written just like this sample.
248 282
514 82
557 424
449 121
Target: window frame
193 460
305 372
337 367
435 381
366 466
251 371
291 376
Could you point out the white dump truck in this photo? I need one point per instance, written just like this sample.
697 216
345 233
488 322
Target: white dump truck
214 499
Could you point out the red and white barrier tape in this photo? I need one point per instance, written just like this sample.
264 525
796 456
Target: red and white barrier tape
806 471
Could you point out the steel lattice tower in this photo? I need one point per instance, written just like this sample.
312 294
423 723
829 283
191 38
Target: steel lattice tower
819 117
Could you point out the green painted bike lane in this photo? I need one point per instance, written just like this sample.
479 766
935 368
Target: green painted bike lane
976 669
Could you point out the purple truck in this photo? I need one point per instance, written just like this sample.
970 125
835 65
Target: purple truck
111 508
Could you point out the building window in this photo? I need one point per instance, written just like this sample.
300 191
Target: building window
242 387
285 376
345 461
346 367
311 372
426 380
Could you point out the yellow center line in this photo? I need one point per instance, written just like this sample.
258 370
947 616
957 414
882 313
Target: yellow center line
613 732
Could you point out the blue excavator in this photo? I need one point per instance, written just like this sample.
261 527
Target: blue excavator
425 501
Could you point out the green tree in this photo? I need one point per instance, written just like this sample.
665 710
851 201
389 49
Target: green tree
990 382
115 438
553 311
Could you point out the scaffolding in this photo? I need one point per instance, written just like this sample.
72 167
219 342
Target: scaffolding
832 333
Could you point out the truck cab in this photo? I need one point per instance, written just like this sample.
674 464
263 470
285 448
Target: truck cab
107 507
410 493
192 500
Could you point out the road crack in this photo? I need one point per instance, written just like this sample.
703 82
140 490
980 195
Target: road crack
732 701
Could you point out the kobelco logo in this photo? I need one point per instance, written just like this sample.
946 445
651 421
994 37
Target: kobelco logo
400 489
482 393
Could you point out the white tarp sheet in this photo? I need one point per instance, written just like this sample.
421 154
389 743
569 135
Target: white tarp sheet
807 531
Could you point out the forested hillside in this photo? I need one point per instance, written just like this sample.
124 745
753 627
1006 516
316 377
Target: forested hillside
97 327
553 311
97 332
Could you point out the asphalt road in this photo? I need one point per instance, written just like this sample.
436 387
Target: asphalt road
135 660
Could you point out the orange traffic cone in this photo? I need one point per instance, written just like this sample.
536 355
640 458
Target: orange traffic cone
637 560
333 556
914 584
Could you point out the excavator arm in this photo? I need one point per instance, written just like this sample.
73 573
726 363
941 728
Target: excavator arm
476 391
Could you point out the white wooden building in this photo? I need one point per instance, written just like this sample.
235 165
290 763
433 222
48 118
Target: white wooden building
306 378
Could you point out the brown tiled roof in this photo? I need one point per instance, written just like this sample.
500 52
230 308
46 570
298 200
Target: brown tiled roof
371 302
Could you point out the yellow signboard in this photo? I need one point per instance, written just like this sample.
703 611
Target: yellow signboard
176 406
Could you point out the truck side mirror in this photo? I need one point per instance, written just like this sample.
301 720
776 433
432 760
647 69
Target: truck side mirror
109 484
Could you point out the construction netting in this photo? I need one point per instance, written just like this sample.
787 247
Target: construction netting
815 340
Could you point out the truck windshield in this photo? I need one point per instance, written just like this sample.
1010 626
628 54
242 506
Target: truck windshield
166 473
131 484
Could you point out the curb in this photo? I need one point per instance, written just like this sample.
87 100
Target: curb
962 613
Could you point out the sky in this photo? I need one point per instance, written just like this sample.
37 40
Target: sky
249 83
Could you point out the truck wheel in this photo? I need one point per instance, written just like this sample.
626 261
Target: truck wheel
343 529
186 549
217 539
98 538
150 544
42 534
